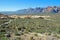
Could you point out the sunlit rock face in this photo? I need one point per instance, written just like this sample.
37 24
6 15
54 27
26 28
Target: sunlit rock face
37 10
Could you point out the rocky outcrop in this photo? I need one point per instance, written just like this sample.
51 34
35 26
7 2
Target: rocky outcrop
3 16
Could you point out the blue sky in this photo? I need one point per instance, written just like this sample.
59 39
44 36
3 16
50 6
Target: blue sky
13 5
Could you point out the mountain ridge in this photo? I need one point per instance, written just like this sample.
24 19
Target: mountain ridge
37 10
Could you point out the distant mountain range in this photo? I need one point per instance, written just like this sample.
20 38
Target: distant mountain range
37 10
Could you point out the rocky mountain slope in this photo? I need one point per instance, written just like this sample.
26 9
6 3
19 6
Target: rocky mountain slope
37 10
